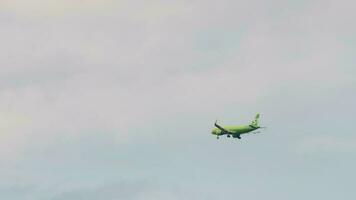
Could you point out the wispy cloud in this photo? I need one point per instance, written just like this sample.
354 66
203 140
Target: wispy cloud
326 145
113 68
108 73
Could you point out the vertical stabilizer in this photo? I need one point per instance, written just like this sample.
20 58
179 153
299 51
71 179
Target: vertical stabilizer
255 121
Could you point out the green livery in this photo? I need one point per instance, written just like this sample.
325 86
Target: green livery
236 131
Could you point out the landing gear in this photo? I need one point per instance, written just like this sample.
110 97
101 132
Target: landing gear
228 136
236 136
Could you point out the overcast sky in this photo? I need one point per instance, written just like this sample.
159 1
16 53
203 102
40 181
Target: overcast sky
104 99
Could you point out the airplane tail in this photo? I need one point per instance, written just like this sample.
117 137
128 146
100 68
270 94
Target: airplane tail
255 122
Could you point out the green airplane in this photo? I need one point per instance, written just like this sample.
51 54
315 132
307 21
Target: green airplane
236 131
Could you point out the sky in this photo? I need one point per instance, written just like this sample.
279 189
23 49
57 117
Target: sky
116 99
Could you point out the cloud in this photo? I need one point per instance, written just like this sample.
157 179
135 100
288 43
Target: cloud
15 191
326 145
110 191
144 11
52 8
108 73
87 86
135 190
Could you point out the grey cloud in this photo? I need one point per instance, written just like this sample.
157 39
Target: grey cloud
321 145
131 70
109 72
16 191
111 191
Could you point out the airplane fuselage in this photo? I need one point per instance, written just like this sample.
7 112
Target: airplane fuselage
234 130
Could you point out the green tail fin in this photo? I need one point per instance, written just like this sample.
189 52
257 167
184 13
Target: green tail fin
255 121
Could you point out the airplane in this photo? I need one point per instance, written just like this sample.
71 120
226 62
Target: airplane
236 131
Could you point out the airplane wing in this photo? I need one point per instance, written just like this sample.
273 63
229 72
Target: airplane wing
222 129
